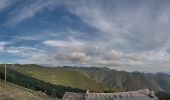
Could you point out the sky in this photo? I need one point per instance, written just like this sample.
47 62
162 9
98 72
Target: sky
130 35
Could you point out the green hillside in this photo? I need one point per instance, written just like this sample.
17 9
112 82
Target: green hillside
56 81
60 76
9 91
125 80
52 81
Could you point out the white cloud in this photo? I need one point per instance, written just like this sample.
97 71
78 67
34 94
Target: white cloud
109 63
23 12
115 54
140 27
62 43
126 35
72 56
29 55
5 3
2 46
25 51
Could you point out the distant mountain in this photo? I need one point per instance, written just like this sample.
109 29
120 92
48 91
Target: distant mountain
125 80
56 81
166 73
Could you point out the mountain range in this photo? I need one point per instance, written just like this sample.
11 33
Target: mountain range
55 81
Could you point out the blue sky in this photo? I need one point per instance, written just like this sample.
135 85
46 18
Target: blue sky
131 35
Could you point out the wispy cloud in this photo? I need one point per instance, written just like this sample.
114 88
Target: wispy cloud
2 46
119 35
5 3
23 12
142 27
23 50
21 37
28 54
62 43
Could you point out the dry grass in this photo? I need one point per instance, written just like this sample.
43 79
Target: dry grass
9 91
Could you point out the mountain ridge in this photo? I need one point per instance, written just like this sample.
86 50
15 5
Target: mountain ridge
98 79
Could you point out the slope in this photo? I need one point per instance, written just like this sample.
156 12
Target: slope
9 91
125 80
60 76
93 78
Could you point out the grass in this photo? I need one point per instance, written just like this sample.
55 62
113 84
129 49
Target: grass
59 76
9 91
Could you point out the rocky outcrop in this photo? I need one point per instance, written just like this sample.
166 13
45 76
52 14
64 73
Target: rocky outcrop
131 95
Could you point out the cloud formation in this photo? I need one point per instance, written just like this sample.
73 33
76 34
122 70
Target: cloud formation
5 3
128 35
62 43
2 46
140 27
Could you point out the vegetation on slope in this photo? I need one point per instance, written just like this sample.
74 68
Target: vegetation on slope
36 84
52 81
9 91
125 80
60 76
57 81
